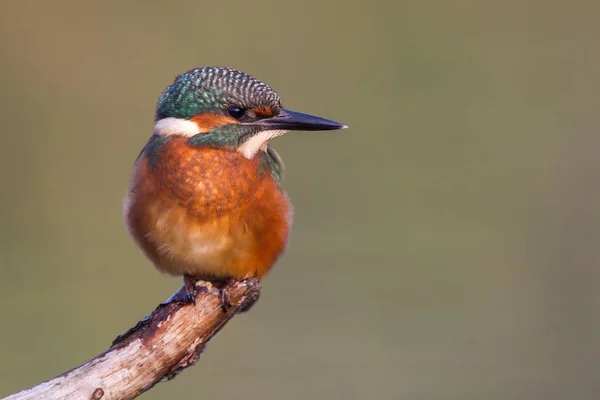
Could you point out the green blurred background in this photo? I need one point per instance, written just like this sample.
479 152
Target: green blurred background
444 247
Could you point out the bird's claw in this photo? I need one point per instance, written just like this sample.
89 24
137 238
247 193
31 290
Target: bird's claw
189 284
224 296
191 290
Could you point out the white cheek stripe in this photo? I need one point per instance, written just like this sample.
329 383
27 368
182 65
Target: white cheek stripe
258 142
175 127
183 127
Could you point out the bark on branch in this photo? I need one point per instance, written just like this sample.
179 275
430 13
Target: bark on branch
158 347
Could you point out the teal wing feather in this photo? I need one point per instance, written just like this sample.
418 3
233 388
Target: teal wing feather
276 164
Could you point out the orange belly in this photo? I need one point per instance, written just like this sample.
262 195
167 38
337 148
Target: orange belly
207 212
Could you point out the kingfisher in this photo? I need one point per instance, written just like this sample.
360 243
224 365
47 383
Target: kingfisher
205 199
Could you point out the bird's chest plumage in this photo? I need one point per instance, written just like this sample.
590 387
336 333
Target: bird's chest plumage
207 212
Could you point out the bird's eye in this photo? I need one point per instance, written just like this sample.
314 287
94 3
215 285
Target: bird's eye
236 112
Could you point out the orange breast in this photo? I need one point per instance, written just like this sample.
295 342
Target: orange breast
207 212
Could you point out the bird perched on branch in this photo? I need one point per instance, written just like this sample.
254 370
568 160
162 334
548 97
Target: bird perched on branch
205 200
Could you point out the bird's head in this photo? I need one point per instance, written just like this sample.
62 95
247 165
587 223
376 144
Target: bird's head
223 107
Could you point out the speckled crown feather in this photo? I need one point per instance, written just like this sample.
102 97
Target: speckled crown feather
214 88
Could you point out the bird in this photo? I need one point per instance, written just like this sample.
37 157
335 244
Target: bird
205 199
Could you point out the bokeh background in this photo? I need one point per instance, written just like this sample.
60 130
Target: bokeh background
444 247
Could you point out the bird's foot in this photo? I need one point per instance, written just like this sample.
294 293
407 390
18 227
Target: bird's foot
224 295
190 289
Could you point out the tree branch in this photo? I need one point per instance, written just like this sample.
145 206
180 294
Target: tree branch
159 346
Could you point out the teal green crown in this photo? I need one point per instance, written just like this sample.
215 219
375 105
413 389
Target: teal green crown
214 89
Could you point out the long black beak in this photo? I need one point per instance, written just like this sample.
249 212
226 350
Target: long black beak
294 121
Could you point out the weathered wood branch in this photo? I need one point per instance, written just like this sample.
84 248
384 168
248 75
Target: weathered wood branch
158 347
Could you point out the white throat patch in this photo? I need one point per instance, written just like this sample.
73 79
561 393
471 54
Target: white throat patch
175 127
258 142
